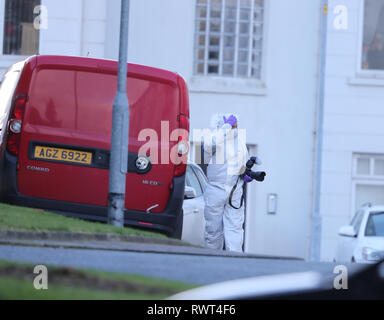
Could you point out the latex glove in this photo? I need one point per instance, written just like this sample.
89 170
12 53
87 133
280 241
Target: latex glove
247 179
231 120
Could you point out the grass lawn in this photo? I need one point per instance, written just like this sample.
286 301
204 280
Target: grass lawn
16 283
26 219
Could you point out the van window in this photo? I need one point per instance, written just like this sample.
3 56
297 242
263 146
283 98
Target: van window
7 89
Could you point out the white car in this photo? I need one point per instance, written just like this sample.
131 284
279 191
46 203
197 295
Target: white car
363 240
193 206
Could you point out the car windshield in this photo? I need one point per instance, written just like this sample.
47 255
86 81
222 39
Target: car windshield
375 225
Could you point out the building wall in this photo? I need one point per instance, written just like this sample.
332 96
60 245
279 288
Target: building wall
75 28
352 124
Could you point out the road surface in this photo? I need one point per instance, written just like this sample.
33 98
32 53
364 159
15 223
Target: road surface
192 269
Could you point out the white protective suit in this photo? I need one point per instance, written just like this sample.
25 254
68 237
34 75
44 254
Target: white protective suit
223 222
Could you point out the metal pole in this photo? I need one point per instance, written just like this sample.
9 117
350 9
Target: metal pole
315 249
120 130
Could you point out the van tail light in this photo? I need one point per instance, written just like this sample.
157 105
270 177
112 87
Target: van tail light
182 145
13 144
182 153
19 106
15 124
183 122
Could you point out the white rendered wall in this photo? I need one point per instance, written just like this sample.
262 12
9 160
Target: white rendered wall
353 121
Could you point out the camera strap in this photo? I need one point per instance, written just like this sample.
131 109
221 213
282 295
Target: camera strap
233 191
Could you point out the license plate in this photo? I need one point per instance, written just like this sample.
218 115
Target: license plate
63 155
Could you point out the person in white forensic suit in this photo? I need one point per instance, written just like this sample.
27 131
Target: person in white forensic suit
226 155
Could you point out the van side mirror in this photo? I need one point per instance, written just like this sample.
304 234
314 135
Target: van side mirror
189 193
347 231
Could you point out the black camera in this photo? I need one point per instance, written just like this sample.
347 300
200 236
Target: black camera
258 175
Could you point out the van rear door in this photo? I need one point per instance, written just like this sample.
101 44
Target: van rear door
65 141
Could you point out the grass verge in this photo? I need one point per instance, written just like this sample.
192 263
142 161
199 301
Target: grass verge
16 283
26 219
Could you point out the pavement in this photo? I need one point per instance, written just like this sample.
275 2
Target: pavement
113 242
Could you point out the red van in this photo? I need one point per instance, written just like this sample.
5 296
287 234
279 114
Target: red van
55 122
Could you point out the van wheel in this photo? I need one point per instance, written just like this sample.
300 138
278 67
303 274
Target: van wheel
177 233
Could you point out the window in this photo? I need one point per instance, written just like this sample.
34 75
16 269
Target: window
368 179
373 35
356 222
369 166
202 179
20 36
193 182
228 39
375 225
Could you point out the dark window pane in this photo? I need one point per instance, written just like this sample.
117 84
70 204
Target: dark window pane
214 41
20 36
201 12
229 41
215 26
200 68
213 55
200 54
215 11
213 69
373 38
201 40
375 225
201 26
